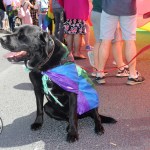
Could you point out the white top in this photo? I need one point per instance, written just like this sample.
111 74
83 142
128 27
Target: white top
7 2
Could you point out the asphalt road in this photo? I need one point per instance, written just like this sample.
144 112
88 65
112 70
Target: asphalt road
130 105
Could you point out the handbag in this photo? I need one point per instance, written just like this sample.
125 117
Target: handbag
21 12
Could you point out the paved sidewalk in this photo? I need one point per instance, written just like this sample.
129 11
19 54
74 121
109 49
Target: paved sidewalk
130 105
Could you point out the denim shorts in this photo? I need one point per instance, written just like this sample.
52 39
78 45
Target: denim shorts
109 25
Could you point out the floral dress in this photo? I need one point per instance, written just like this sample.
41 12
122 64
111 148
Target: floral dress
74 26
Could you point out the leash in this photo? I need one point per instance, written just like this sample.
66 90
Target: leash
115 68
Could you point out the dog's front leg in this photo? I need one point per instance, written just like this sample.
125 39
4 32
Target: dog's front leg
37 83
98 125
73 121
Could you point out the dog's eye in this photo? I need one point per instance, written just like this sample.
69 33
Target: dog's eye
21 36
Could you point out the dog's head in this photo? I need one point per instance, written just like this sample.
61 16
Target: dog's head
38 44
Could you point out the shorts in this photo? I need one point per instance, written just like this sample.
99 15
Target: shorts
74 26
96 18
109 25
96 21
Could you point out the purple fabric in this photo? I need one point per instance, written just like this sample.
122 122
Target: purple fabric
71 86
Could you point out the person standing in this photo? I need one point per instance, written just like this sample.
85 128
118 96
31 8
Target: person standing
116 43
27 19
124 12
77 12
58 12
42 7
11 16
33 13
2 10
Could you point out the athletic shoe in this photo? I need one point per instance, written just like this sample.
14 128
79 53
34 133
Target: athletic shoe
123 73
93 74
134 81
100 80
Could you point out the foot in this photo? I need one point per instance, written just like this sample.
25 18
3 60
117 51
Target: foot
72 137
38 123
100 80
123 73
133 81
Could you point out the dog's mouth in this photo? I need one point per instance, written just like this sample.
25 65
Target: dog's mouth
16 56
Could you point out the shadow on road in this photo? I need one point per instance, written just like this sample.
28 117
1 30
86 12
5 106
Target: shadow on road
125 133
24 86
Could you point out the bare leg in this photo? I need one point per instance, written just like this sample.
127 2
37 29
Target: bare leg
130 52
117 53
103 56
96 53
69 40
87 35
77 44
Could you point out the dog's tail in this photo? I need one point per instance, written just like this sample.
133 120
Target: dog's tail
105 119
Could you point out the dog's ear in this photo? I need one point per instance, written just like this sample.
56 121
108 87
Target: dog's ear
47 42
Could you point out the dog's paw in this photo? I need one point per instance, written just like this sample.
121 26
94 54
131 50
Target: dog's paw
72 137
99 130
36 126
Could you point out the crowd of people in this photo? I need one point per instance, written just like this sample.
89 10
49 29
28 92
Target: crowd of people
114 23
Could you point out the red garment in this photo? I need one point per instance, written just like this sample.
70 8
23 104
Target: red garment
61 2
76 9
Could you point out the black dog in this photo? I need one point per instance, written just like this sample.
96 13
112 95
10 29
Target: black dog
45 52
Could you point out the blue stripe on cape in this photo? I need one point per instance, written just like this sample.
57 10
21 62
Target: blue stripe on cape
73 78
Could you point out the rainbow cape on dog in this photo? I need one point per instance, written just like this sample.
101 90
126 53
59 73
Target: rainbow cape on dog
74 79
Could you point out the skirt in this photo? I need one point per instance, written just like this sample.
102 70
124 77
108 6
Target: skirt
74 26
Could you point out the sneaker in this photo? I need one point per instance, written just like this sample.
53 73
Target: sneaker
89 48
134 81
123 73
93 74
100 80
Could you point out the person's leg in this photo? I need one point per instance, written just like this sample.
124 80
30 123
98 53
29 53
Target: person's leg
95 18
69 40
77 45
61 28
57 21
11 17
87 37
1 18
40 20
107 29
117 51
128 25
43 18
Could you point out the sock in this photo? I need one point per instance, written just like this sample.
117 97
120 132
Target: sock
100 74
